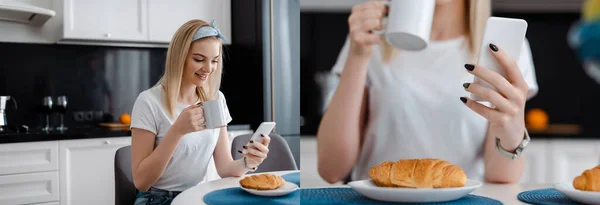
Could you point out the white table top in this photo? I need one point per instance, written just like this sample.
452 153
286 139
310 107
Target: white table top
195 195
505 193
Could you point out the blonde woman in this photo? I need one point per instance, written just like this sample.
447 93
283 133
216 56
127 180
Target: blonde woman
391 104
171 148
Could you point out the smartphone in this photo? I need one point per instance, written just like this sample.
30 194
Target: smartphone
506 33
265 128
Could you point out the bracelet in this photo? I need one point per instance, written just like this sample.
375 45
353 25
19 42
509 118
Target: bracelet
518 151
248 168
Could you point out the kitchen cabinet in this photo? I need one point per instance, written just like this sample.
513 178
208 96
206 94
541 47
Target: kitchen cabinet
165 17
28 157
551 161
569 158
136 22
29 188
29 173
535 163
107 20
87 170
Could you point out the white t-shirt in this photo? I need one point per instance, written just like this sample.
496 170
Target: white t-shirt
190 160
414 109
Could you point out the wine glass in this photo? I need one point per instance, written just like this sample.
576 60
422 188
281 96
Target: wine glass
47 109
61 107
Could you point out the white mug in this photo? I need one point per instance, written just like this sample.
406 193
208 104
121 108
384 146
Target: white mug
409 23
214 114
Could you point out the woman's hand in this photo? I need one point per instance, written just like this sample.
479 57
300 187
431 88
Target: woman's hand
255 152
506 119
191 119
365 18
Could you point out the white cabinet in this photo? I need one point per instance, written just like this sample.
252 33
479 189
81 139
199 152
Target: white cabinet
571 157
165 17
28 157
136 22
87 170
554 161
29 188
535 163
106 20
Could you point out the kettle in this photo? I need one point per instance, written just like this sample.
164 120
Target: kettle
3 100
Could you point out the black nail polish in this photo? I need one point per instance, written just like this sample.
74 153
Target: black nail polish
466 85
251 141
493 47
240 151
469 67
244 147
463 99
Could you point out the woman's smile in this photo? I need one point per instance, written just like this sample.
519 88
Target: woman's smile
201 76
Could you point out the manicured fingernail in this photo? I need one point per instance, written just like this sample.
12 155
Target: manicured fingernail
251 141
466 85
493 47
463 99
469 67
240 151
245 147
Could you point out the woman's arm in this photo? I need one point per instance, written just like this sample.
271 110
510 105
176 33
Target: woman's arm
255 153
339 134
147 163
499 169
226 166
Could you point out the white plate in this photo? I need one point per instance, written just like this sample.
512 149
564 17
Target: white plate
287 188
586 197
412 195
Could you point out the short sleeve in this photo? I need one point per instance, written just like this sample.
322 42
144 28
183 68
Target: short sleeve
225 108
338 67
142 115
527 68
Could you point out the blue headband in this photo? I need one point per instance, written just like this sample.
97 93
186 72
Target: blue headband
211 30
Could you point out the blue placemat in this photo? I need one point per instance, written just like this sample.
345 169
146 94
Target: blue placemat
239 196
349 196
548 196
293 177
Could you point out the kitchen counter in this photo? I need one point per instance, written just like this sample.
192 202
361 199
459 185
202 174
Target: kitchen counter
87 132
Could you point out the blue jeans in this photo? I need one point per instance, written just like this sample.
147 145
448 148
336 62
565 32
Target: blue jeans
155 196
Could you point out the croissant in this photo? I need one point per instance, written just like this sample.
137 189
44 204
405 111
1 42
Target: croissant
418 173
262 182
589 180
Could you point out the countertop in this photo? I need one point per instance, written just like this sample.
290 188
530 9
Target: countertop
84 132
89 132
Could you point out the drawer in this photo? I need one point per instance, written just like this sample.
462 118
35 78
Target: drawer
48 203
29 188
28 157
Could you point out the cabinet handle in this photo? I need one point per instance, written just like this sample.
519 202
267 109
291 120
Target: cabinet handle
107 35
106 142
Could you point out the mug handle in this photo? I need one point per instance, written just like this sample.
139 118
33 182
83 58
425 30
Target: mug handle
382 31
203 115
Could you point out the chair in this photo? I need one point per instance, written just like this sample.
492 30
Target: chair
124 188
280 156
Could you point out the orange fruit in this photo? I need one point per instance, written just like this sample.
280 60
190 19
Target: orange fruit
125 118
537 118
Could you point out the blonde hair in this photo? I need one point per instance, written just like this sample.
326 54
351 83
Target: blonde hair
477 13
177 54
